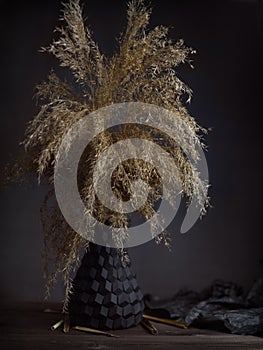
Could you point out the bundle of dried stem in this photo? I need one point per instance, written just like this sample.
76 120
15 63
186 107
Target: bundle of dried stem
143 69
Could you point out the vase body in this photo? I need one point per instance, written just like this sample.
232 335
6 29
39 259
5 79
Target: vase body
105 292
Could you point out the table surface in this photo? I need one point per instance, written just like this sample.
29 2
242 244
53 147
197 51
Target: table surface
27 326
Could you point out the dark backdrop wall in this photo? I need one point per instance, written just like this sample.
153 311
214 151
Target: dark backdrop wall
227 244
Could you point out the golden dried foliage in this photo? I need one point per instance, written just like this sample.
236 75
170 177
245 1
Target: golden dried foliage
143 69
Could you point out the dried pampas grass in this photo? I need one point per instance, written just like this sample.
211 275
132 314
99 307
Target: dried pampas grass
144 69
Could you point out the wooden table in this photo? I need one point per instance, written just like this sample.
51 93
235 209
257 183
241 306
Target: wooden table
27 326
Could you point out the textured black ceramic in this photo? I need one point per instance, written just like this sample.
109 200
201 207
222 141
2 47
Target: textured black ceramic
105 292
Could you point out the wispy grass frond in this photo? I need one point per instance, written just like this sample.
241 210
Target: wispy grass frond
144 70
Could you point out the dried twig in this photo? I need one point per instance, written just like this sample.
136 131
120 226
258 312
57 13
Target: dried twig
57 325
149 326
95 331
166 321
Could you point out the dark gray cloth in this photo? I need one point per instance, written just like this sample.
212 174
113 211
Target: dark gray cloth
223 302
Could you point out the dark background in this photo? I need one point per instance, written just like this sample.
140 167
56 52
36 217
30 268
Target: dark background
228 242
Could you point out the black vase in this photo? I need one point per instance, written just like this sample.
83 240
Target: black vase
105 292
